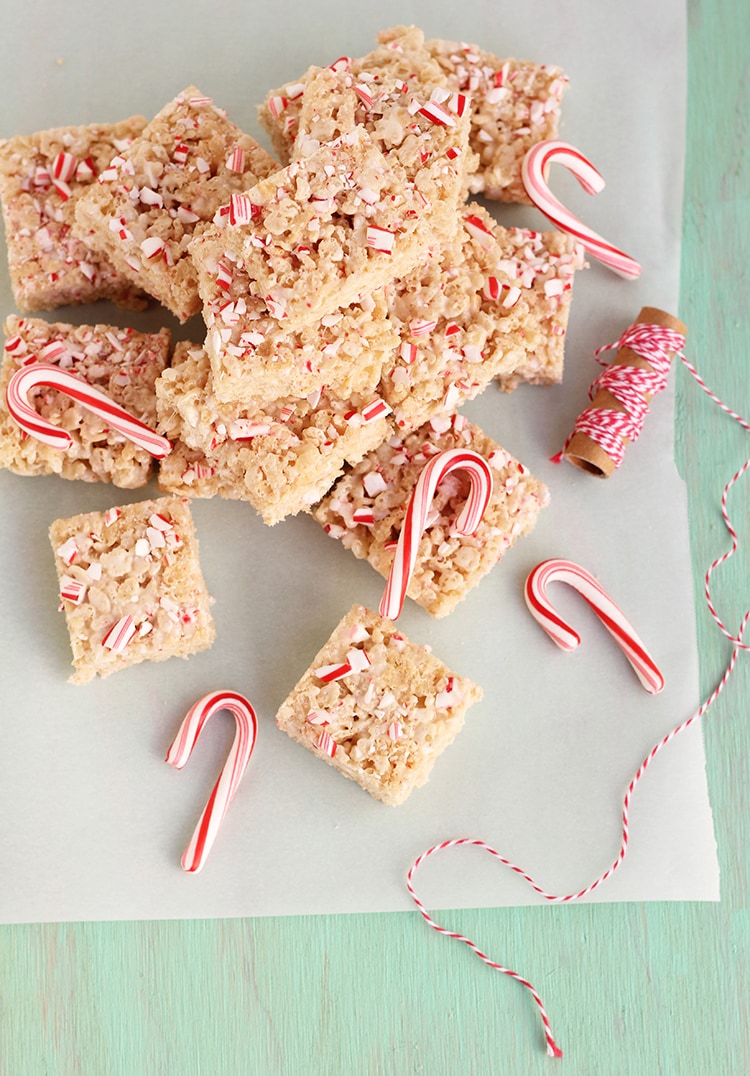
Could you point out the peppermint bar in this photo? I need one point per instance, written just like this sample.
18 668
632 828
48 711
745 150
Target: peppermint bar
366 511
422 124
131 586
492 303
377 707
255 357
400 54
42 178
122 363
515 104
542 266
161 190
328 229
282 457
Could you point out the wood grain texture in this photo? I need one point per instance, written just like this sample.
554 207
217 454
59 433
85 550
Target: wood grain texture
630 989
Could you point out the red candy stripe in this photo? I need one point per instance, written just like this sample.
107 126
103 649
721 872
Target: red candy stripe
41 373
621 630
533 173
196 853
418 510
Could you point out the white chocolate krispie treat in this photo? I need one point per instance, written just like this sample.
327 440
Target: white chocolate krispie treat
328 229
131 586
400 54
540 268
254 357
491 303
122 363
282 456
515 104
42 178
377 707
161 190
367 507
423 125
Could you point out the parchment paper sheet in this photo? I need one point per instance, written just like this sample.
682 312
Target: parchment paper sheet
94 822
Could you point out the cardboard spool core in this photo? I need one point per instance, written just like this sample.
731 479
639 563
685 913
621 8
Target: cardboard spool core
581 450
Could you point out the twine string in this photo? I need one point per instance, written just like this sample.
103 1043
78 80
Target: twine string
652 342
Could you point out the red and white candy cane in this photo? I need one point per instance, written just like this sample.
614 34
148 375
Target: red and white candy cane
418 510
534 176
196 853
619 627
43 373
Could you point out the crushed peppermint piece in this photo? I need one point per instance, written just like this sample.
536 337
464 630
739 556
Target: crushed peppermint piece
328 673
317 717
68 551
326 744
380 239
72 590
358 659
120 634
236 160
374 483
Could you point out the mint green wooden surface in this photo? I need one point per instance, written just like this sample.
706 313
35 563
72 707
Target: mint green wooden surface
641 989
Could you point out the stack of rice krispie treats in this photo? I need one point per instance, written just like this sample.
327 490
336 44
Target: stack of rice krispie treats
356 292
352 297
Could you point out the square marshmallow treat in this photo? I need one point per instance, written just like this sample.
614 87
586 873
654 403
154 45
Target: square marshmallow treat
43 176
122 363
377 707
514 105
330 228
282 456
161 190
131 586
493 302
255 357
400 54
367 507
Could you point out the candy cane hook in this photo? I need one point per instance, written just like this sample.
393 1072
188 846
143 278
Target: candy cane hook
45 373
417 512
621 630
534 176
196 853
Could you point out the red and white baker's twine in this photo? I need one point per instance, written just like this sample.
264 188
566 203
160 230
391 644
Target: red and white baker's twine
417 514
196 853
534 176
656 339
630 385
43 373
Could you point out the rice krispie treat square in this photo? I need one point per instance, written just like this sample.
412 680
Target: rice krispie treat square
367 507
491 303
161 190
122 363
42 178
377 707
542 267
425 128
131 586
255 357
328 229
515 104
282 456
400 54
